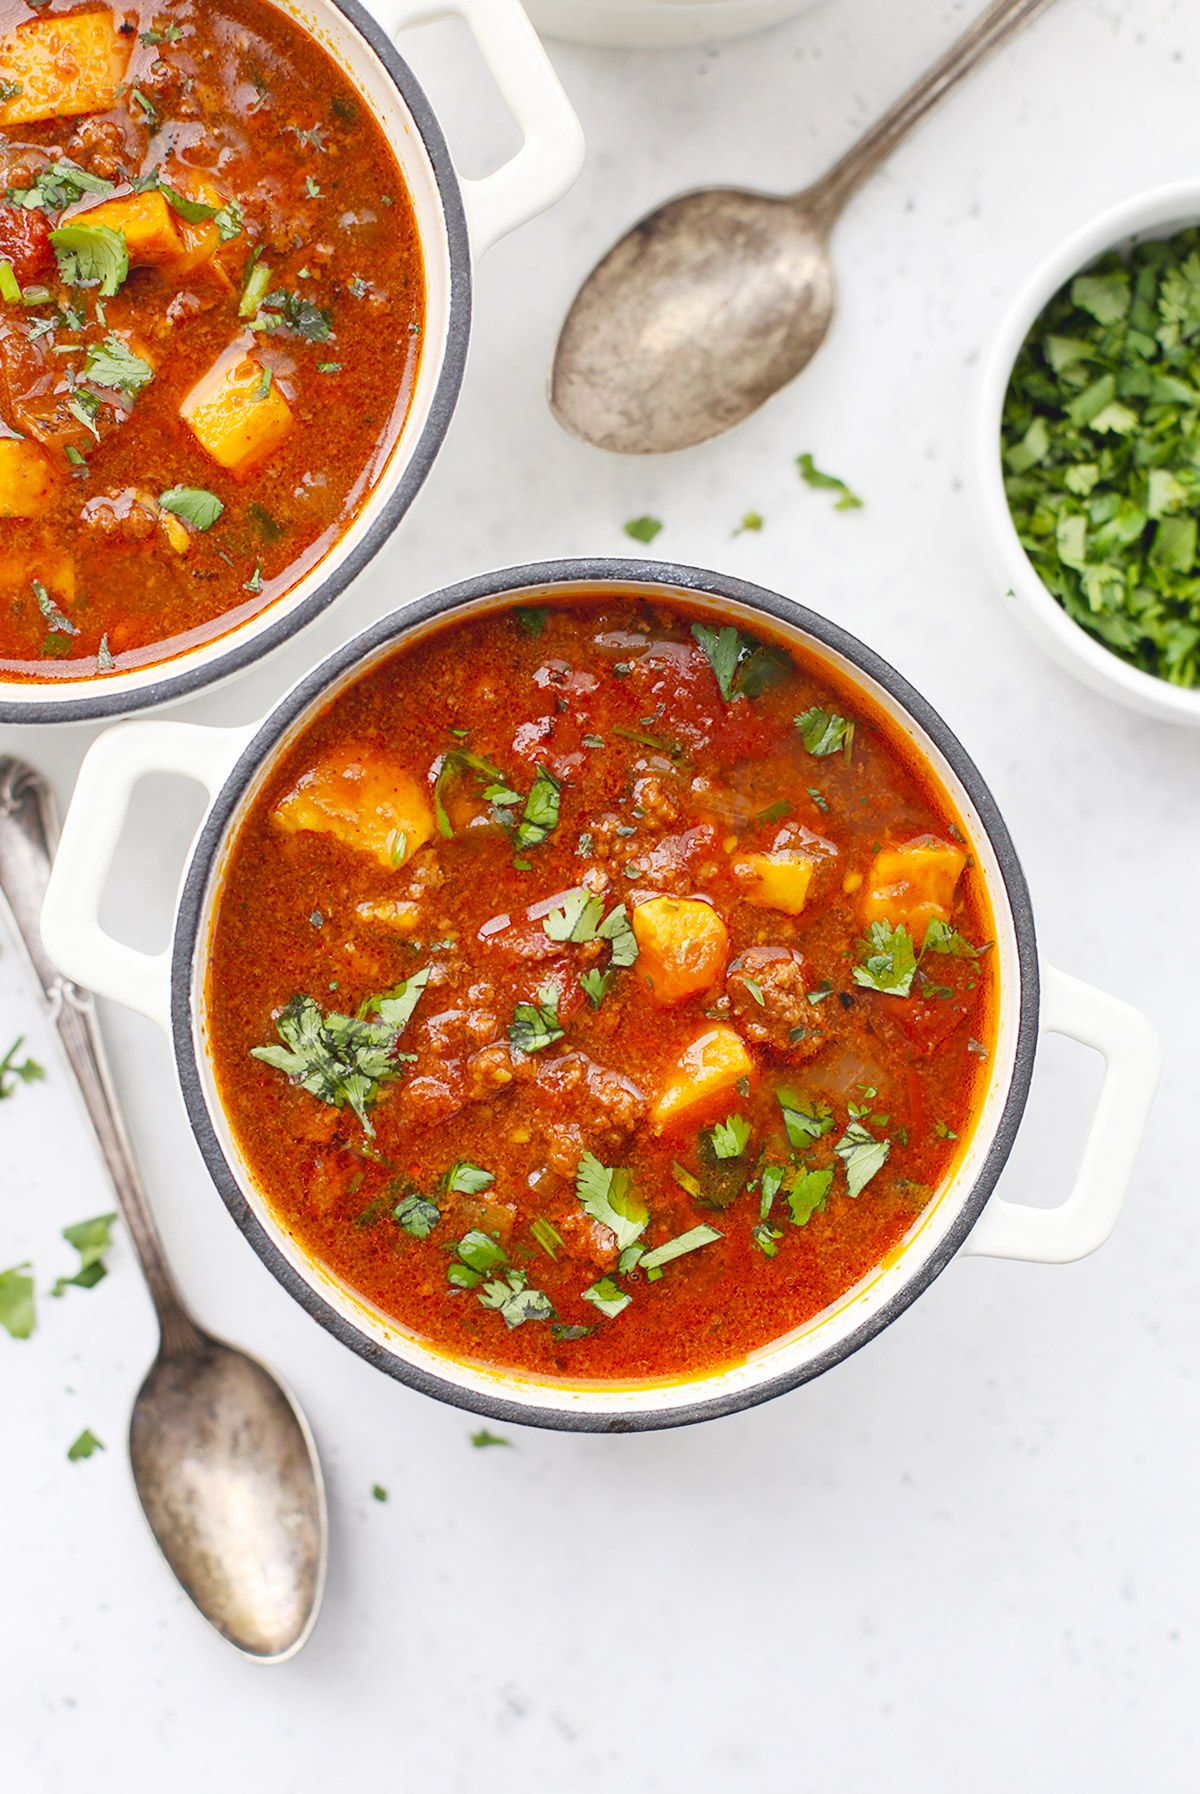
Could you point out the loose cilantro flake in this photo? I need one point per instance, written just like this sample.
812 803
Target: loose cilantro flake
806 1192
113 364
541 810
804 1118
607 1295
811 474
91 1239
578 918
417 1214
730 1137
18 1315
691 1241
643 529
483 1438
824 732
14 1071
466 1179
342 1059
84 1446
91 255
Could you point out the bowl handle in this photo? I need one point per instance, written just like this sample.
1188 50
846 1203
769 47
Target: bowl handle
71 928
1132 1060
551 153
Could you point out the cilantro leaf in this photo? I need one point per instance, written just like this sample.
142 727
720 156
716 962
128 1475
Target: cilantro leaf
811 474
606 1193
722 650
417 1214
467 1179
293 314
12 1072
940 937
824 732
536 1025
890 963
531 618
193 504
91 255
607 1295
91 1239
113 364
577 919
691 1241
862 1155
483 1438
395 1007
456 762
515 1300
730 1137
541 809
18 1315
643 529
742 667
594 985
807 1192
804 1118
617 929
342 1059
84 1446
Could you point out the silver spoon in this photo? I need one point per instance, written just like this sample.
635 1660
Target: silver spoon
717 299
224 1462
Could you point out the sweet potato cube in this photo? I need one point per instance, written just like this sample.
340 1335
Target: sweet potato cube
147 223
777 880
364 800
682 947
27 481
913 884
201 241
235 414
62 66
50 567
713 1063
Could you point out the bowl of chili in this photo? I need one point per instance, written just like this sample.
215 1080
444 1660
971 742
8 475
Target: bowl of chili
1084 453
604 994
235 302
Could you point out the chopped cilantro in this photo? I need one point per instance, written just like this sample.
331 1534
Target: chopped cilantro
578 918
18 1315
750 521
742 667
806 1192
862 1155
194 504
113 364
531 618
541 810
607 1295
514 1299
14 1071
594 985
890 962
484 1438
811 474
606 1193
804 1118
824 732
536 1025
691 1241
466 1179
84 1446
343 1059
547 1236
730 1137
91 1239
417 1214
91 255
56 620
378 1492
643 529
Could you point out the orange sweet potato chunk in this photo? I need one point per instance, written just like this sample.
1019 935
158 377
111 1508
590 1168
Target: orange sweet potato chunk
62 66
682 947
237 415
363 799
913 885
711 1064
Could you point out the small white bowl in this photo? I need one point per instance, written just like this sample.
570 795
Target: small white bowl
1159 213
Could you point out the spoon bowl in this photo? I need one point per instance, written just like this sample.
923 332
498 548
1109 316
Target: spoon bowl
226 1471
707 307
720 298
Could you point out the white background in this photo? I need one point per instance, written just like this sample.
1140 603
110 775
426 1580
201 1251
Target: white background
967 1557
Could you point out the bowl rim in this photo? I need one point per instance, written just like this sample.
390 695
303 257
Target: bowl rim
1145 214
542 579
93 700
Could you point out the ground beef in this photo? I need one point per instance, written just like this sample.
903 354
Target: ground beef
587 1108
776 975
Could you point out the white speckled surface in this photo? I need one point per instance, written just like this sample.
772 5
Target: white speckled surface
970 1555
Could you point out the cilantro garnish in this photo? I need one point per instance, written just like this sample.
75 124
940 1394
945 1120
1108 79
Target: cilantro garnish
541 810
594 985
466 1179
811 474
113 364
807 1192
606 1194
804 1118
91 1239
57 621
824 732
643 529
91 255
378 1492
730 1137
516 1301
577 919
531 618
14 1071
547 1236
343 1059
652 1262
862 1155
58 186
18 1315
890 963
456 762
608 1296
84 1446
535 1026
940 937
417 1214
742 667
194 504
483 1438
283 311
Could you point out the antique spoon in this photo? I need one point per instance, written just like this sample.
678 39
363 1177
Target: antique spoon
717 299
223 1460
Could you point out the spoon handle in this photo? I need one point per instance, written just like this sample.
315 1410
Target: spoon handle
994 26
28 835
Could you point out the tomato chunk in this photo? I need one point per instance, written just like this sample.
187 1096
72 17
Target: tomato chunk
25 242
